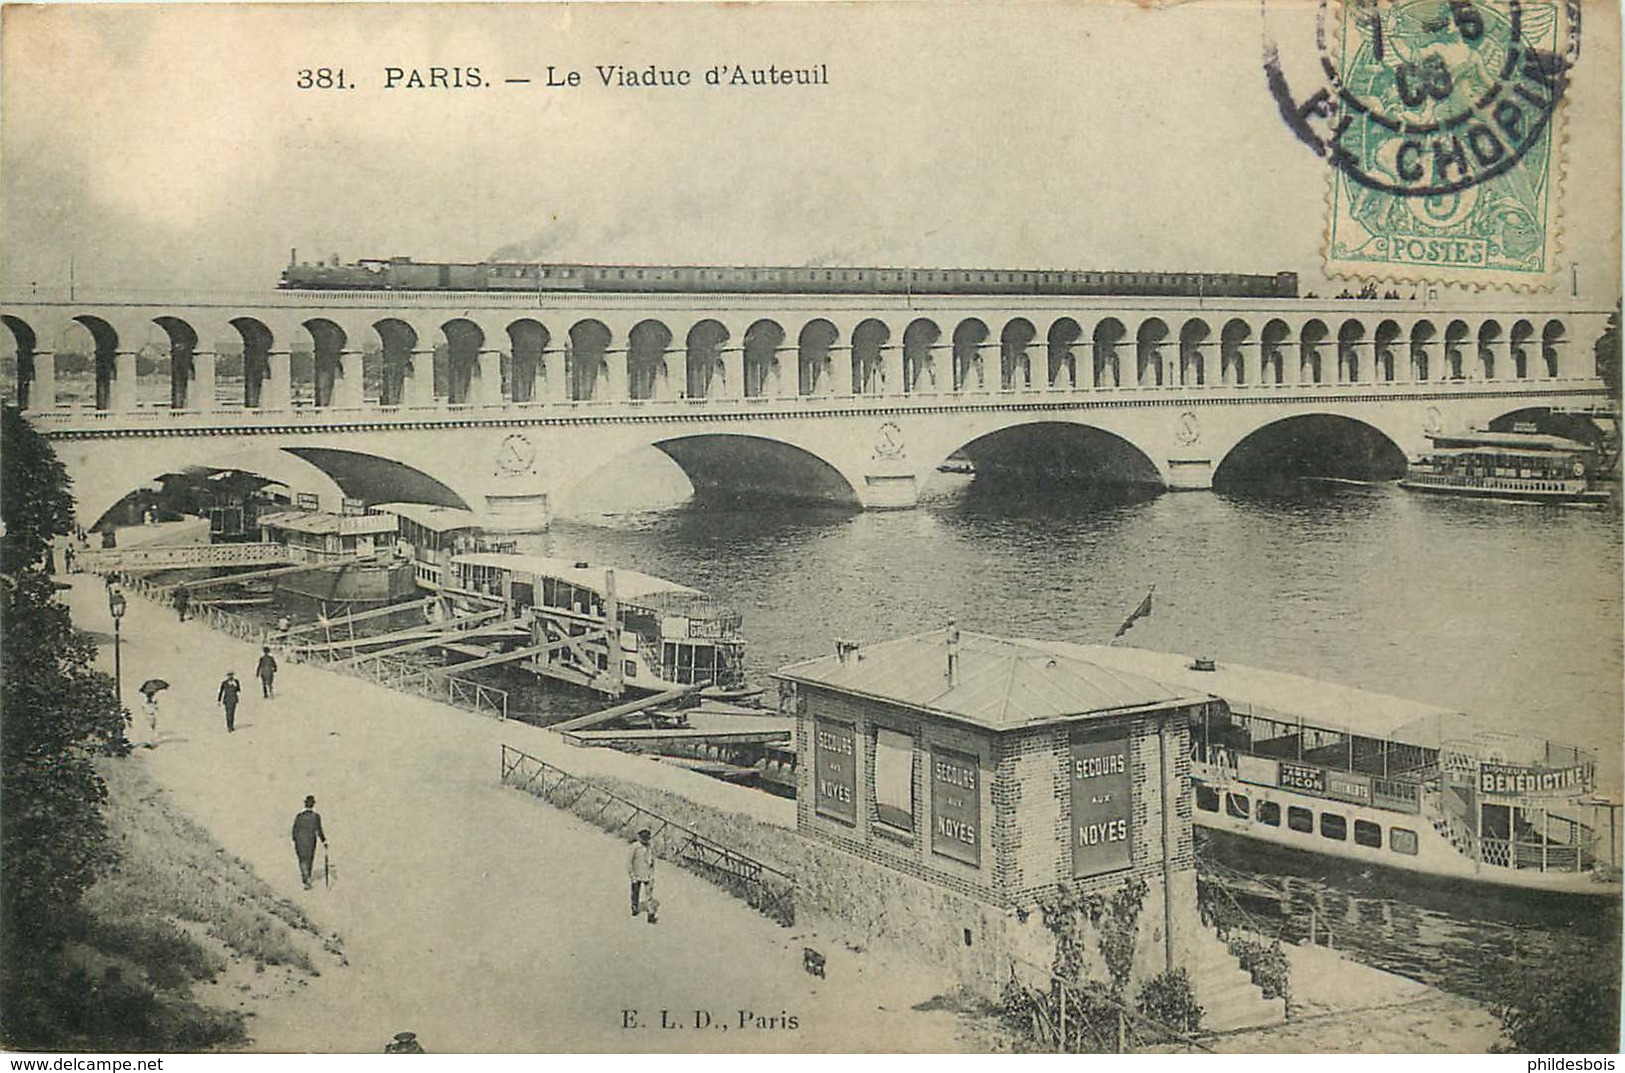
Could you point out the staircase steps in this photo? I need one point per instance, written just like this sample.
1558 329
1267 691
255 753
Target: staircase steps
1230 1000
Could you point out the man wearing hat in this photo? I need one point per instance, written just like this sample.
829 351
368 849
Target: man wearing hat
642 870
230 689
307 830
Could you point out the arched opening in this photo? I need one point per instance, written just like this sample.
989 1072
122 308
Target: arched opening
464 339
919 355
1523 334
1388 333
1456 335
1234 338
968 339
1490 335
527 364
182 350
254 362
1350 337
868 340
1310 446
646 347
1310 368
1063 359
398 340
315 370
1015 365
732 471
761 357
1423 334
588 360
1192 338
1272 360
814 364
104 358
1049 457
705 374
1108 371
26 344
1551 340
1582 427
1148 352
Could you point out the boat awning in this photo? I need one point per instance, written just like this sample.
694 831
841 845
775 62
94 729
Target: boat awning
629 584
304 521
434 518
1539 441
1291 697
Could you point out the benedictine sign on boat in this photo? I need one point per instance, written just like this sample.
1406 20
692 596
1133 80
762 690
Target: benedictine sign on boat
1506 780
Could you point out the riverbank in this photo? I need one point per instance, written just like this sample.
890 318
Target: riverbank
475 916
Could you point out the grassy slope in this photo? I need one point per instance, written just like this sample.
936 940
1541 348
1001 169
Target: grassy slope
176 931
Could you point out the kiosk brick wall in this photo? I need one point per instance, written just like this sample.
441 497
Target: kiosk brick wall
893 876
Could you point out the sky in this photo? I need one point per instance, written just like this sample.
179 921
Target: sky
169 147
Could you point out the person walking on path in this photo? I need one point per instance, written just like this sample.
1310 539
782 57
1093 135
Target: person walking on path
307 830
641 869
230 688
183 602
149 707
265 671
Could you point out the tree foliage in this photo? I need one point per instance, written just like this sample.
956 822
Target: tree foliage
1567 1009
34 498
58 713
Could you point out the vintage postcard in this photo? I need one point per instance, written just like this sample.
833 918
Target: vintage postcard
819 527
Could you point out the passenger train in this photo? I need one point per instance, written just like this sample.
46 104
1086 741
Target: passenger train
405 274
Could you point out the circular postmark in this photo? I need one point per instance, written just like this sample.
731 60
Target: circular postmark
1429 99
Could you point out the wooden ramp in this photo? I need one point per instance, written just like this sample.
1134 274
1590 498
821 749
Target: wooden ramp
255 575
584 722
434 630
701 729
360 616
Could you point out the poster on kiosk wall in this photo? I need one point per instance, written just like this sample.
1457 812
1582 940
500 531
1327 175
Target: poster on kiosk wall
1102 802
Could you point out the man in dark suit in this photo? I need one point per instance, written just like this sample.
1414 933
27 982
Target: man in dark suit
307 830
230 689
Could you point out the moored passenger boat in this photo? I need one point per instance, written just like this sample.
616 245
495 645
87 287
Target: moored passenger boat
1528 466
606 628
429 536
1379 780
359 548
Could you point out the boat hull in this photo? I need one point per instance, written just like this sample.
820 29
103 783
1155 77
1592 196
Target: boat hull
359 583
1436 856
1582 496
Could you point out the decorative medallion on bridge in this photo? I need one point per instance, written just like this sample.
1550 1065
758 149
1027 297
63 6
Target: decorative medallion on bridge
1187 430
889 443
1435 420
516 455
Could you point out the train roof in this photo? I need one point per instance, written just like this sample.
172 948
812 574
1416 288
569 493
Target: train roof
629 584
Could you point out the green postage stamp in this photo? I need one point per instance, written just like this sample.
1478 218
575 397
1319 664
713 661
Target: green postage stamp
1444 131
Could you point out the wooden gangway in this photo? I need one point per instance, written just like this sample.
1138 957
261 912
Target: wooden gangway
430 632
258 575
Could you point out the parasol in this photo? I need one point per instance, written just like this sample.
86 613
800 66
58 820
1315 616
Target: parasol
153 685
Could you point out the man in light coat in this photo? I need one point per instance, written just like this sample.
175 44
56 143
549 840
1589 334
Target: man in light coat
641 869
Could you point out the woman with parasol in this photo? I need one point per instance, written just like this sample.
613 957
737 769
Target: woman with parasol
149 705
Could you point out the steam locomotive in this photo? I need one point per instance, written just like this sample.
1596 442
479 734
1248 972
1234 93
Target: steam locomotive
405 274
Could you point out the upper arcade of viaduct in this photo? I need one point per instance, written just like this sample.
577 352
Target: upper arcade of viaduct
411 352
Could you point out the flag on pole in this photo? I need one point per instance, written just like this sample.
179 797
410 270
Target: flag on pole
1139 612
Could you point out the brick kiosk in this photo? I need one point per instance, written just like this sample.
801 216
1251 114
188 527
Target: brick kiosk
962 777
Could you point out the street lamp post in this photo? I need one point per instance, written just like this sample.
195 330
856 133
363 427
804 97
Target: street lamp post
115 607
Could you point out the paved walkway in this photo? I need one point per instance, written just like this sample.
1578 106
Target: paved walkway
478 917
